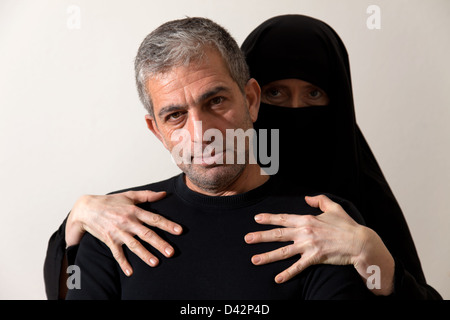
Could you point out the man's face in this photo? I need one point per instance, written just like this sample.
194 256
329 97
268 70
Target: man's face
202 91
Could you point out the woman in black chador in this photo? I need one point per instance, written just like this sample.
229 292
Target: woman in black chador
303 69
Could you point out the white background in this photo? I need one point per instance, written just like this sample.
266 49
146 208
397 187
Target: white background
71 122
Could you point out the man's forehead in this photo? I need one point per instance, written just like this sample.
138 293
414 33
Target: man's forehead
192 76
189 82
194 88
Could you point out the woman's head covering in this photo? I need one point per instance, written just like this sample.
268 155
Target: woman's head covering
322 147
317 144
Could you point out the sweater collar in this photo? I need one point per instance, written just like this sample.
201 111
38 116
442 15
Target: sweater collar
233 201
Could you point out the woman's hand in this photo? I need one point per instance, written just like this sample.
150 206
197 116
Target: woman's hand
115 220
332 237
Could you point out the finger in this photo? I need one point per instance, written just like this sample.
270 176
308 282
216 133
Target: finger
158 221
273 235
145 196
152 238
321 201
275 255
138 249
118 254
282 219
293 270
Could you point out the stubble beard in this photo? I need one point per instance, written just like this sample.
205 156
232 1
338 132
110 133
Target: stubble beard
214 178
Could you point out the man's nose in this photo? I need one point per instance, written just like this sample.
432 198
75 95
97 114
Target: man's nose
198 123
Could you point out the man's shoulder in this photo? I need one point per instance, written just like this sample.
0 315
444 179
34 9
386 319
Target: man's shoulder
163 185
295 195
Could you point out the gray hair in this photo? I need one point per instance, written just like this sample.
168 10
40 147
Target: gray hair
178 42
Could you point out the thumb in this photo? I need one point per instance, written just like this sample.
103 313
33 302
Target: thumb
321 201
145 196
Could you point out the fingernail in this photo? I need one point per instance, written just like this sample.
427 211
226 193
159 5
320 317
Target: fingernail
249 238
258 218
169 251
256 259
177 229
279 279
153 262
128 272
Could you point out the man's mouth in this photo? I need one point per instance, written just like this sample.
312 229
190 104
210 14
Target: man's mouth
209 160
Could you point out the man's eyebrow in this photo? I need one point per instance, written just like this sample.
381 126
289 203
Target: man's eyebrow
212 93
171 108
180 107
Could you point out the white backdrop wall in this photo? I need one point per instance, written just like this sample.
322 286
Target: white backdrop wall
71 122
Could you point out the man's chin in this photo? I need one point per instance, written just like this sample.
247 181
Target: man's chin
212 176
204 163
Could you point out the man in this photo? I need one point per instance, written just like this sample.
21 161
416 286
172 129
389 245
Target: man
191 71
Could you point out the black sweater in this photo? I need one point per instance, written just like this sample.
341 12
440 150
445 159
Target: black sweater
212 261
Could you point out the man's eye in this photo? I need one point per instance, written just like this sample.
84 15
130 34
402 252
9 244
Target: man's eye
174 116
216 100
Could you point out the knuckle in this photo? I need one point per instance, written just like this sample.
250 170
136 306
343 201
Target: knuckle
308 231
279 233
117 254
133 244
131 211
128 215
147 234
298 267
285 251
265 257
269 257
107 238
156 218
120 219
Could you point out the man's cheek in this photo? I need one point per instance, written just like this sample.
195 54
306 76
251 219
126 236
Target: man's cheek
179 146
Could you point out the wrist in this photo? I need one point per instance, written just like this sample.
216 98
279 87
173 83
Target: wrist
74 227
375 263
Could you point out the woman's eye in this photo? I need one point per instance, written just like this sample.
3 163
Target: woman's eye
315 94
274 92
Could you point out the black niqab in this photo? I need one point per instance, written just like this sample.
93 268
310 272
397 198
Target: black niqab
318 145
323 147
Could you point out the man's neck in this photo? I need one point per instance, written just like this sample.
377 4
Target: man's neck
249 179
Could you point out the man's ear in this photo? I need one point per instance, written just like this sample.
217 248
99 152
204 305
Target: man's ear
253 96
153 127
